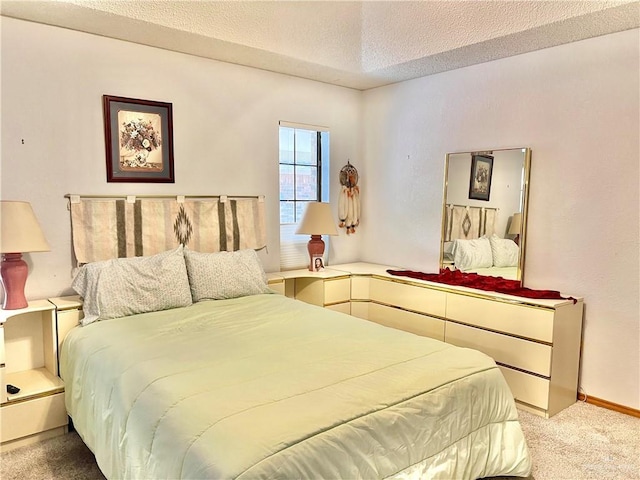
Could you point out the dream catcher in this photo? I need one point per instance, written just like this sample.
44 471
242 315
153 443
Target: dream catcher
349 201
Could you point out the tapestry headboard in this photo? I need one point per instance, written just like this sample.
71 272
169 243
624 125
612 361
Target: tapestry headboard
464 222
106 227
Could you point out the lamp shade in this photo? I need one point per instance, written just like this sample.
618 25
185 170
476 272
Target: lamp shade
20 231
516 224
317 220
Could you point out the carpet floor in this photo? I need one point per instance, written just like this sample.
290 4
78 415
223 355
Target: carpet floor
581 442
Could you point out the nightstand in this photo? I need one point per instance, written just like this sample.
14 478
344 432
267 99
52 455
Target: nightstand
327 288
29 361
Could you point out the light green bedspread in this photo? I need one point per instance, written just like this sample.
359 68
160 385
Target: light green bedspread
269 387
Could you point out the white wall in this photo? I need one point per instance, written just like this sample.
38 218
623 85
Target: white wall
225 130
577 107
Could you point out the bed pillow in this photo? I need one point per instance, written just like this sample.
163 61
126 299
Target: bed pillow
222 275
472 254
126 286
505 252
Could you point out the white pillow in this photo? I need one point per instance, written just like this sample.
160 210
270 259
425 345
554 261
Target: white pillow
448 250
472 254
217 276
505 252
126 286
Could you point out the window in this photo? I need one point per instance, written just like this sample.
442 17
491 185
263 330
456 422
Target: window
304 155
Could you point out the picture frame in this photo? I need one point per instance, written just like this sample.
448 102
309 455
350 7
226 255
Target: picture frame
480 178
317 263
138 140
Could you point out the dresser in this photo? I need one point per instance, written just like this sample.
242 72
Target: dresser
536 343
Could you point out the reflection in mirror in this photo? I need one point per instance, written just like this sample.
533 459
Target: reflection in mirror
485 212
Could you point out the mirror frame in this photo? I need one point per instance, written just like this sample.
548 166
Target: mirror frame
524 206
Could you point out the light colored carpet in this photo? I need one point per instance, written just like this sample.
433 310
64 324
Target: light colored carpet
581 442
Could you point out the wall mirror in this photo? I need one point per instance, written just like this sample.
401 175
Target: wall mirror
484 218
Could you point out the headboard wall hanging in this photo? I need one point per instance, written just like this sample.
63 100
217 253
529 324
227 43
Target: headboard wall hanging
349 201
105 227
466 223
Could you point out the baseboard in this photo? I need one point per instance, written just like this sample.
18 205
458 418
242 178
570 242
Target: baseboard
609 405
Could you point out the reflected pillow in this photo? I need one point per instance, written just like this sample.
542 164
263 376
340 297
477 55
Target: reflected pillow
472 254
505 252
222 275
126 286
447 250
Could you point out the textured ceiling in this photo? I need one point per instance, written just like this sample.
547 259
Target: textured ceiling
360 44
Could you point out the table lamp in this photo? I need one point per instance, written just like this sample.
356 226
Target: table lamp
516 225
316 221
19 233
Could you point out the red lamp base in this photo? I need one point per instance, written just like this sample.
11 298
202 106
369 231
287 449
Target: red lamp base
13 273
316 249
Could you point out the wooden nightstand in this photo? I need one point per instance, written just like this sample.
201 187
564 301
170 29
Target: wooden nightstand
29 361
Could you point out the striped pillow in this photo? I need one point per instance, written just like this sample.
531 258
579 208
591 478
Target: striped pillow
126 286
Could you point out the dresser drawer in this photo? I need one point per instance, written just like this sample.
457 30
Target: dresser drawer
516 319
527 388
336 291
516 352
410 297
407 321
35 416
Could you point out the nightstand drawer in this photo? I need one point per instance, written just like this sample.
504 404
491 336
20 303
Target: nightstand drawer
337 291
34 416
2 346
341 307
516 352
360 287
516 319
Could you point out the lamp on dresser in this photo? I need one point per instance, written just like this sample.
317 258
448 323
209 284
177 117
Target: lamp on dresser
516 225
316 221
19 233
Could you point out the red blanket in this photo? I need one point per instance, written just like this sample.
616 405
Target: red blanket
473 280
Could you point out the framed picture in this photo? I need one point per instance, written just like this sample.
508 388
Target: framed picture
480 180
139 140
318 263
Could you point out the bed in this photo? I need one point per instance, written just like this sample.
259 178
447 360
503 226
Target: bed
187 366
471 244
489 256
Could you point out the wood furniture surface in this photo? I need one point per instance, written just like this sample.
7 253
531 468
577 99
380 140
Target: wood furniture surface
327 288
536 343
29 361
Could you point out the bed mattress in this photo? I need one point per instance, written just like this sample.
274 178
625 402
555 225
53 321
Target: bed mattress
268 387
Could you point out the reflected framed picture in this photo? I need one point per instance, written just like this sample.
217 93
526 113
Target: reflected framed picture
138 139
480 179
